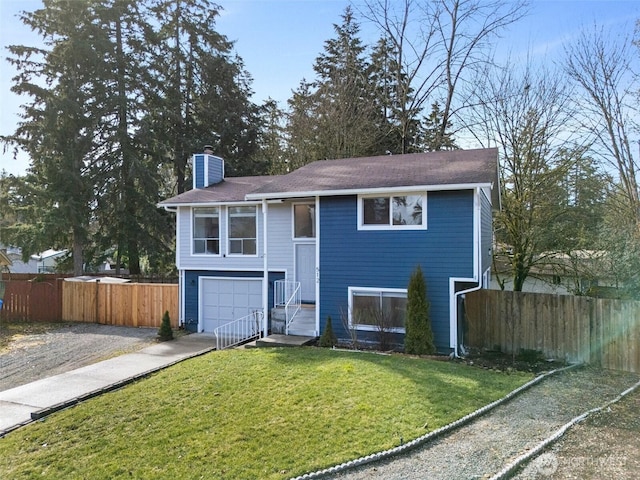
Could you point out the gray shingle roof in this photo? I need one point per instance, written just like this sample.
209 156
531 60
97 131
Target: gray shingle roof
231 189
434 169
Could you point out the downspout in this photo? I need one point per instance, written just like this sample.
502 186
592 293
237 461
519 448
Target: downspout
181 298
265 279
317 285
477 243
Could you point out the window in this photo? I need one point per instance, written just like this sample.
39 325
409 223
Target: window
304 220
242 230
393 211
206 231
377 309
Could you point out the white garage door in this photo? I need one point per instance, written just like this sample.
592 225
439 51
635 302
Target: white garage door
223 300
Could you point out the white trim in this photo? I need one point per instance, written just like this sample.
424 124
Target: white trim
318 303
363 191
211 204
265 274
371 328
390 225
181 295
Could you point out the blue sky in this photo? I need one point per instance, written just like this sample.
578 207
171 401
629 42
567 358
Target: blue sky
280 39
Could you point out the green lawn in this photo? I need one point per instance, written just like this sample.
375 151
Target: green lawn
244 414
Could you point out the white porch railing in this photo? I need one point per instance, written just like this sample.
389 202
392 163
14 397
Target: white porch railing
287 294
239 331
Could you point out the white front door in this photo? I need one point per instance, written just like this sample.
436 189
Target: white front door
223 300
306 271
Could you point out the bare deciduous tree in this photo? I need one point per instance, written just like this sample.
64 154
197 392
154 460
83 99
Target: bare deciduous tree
601 66
528 118
436 43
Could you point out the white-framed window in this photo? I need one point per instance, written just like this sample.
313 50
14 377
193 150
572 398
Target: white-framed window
375 309
242 227
206 231
402 211
304 220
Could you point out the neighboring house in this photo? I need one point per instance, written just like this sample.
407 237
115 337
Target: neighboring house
47 261
17 265
579 272
349 233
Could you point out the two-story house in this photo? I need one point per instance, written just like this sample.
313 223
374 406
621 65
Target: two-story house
341 236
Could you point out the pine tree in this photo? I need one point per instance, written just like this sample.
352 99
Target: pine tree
335 115
328 338
165 332
418 338
433 139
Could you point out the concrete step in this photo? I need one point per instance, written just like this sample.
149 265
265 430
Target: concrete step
283 341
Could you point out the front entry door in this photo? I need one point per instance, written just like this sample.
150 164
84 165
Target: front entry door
306 271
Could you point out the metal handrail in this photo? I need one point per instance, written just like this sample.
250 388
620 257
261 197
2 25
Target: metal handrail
239 331
287 295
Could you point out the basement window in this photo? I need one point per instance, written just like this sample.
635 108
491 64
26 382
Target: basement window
376 309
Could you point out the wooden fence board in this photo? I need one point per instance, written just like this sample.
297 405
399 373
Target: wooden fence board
603 332
127 304
39 301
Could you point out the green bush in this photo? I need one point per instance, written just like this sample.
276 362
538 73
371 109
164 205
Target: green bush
418 339
328 338
165 332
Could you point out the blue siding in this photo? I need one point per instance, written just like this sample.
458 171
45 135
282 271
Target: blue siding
198 170
215 167
215 170
191 280
486 232
386 259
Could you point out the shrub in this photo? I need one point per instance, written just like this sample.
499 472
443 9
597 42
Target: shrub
165 332
328 338
418 338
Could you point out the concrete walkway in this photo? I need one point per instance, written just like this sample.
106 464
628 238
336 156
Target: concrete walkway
22 405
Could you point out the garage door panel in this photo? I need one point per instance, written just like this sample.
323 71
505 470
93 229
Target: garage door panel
225 300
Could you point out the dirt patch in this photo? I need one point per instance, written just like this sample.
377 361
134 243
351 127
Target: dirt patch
32 351
525 361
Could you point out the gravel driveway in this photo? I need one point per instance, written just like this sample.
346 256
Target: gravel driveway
36 356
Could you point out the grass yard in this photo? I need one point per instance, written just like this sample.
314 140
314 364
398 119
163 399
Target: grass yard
246 414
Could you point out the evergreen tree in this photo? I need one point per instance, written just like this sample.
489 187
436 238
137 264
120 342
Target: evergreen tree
328 338
335 116
418 338
165 332
59 128
433 139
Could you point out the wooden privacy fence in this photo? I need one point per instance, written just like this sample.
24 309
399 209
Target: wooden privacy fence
602 332
126 304
32 300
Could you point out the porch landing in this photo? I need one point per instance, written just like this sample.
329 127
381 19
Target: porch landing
281 341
